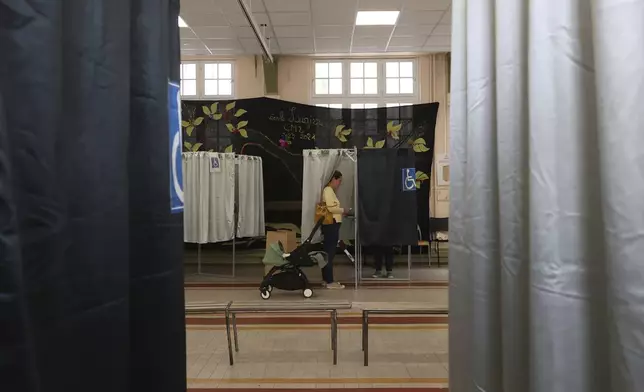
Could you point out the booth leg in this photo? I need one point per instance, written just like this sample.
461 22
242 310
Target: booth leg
199 259
409 261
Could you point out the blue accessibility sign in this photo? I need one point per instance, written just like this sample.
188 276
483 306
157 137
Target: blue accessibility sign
176 143
409 179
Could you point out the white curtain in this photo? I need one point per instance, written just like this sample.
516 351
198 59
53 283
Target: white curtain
209 197
196 206
250 196
319 166
222 199
547 196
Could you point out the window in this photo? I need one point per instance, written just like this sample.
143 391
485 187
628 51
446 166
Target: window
395 105
201 80
218 79
188 75
328 78
365 83
364 78
399 77
330 105
364 105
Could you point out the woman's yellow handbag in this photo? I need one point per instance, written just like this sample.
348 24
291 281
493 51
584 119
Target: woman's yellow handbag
322 212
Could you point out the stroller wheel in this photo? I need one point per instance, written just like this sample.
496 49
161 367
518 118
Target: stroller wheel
269 288
308 293
265 294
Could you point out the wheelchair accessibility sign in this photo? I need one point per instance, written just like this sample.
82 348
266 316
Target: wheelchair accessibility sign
176 175
409 179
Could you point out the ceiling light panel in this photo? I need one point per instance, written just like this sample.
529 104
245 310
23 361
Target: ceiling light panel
376 18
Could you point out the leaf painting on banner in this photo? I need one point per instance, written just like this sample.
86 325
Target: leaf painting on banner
279 131
341 133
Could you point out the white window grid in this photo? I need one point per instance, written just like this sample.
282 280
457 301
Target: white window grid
328 77
188 76
353 77
364 105
211 80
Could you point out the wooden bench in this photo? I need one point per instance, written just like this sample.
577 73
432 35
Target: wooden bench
331 307
390 311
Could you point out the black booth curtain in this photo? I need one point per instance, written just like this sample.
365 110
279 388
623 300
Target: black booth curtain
386 198
91 283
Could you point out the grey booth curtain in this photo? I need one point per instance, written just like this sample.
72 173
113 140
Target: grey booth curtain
91 272
547 196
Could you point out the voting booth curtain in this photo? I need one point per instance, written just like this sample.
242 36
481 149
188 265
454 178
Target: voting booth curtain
209 189
250 196
91 273
319 166
387 211
214 183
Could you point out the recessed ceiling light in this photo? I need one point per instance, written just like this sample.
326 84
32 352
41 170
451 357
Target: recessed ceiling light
182 23
376 18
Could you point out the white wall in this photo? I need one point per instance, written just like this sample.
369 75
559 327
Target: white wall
295 75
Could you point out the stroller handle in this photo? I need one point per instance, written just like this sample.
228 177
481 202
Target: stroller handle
317 226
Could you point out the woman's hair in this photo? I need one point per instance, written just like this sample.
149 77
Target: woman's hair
336 176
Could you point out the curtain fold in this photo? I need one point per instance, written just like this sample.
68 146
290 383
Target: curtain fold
221 210
250 221
196 190
547 203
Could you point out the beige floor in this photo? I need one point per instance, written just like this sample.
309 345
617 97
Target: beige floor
299 356
249 268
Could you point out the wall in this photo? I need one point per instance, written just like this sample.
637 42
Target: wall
434 81
295 75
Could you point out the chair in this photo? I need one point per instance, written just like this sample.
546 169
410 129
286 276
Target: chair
421 243
438 225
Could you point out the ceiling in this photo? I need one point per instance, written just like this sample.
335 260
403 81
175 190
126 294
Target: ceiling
314 27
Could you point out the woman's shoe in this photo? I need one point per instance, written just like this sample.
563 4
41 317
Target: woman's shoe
334 286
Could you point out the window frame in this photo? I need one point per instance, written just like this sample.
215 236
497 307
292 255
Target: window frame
201 80
381 99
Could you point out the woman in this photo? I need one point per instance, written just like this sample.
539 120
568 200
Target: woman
331 231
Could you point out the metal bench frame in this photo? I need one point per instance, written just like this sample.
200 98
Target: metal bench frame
365 322
286 307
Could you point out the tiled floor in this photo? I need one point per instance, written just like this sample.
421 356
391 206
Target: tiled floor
287 351
292 351
248 268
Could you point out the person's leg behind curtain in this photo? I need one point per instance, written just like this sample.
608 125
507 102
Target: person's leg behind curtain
377 260
388 253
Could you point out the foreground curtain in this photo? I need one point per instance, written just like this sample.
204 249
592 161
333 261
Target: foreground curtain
547 196
91 283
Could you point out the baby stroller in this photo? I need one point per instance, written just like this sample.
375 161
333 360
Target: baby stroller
286 273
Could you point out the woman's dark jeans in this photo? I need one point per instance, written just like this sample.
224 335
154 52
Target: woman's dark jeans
331 237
